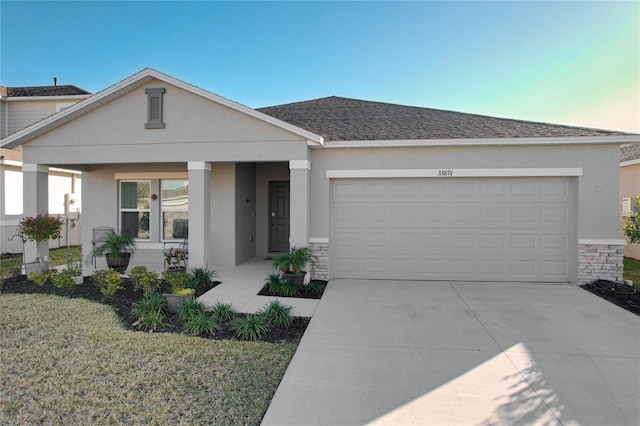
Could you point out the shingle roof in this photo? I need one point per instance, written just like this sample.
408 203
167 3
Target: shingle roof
67 90
342 119
10 154
630 152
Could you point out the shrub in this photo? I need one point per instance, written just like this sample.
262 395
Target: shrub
64 279
201 323
281 287
108 281
252 327
223 312
288 289
200 279
149 282
135 274
632 224
190 308
177 280
151 312
40 278
277 314
273 283
316 287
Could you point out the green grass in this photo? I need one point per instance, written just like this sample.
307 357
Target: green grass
632 270
69 361
56 257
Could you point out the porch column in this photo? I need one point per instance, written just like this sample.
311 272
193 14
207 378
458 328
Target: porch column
199 213
299 183
35 201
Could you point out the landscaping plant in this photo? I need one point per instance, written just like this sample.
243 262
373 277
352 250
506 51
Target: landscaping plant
151 312
108 281
200 279
201 324
40 278
632 224
63 279
178 281
223 312
277 314
294 260
252 327
190 308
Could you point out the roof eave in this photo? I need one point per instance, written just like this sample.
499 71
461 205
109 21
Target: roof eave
410 143
45 98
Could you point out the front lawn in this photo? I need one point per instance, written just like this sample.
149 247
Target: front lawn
70 361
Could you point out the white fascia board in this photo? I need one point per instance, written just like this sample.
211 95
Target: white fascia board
411 143
132 83
630 163
11 163
453 173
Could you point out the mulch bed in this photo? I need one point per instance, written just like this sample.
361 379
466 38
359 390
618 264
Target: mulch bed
623 295
122 303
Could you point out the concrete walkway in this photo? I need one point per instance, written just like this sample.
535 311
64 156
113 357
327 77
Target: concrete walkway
439 353
240 286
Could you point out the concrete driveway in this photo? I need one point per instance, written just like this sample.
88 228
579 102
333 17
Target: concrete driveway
441 353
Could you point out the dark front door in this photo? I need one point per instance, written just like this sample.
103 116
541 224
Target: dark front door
278 216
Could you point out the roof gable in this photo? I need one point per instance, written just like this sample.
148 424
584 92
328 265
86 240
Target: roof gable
130 84
344 119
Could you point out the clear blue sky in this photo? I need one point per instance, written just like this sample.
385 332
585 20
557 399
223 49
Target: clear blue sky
564 62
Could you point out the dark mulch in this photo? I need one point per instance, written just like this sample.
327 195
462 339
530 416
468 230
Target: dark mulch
305 292
122 303
623 295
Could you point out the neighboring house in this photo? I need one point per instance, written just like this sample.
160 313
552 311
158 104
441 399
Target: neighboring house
19 108
376 190
629 186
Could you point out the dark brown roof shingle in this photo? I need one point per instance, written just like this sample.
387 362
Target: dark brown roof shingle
344 119
630 152
67 90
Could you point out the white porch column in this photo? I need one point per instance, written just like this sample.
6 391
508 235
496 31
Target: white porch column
199 213
299 184
35 201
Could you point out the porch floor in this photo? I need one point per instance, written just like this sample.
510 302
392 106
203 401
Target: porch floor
240 285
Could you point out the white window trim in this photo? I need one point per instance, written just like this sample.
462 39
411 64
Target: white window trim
151 175
447 172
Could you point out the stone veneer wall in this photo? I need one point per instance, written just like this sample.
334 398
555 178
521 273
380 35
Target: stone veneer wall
321 270
600 261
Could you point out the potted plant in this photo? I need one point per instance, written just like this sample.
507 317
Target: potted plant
292 263
180 290
117 250
40 228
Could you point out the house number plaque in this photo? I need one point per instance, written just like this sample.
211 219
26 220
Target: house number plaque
445 172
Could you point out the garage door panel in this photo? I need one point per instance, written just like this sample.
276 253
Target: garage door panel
451 229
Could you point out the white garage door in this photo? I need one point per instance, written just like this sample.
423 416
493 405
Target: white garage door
471 229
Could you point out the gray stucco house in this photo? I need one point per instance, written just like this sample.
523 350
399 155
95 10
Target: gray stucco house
377 190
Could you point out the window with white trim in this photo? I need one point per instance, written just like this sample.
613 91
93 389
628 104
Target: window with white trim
175 209
135 208
154 209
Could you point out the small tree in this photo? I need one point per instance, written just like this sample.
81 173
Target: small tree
632 224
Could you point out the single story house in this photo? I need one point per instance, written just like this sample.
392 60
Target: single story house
377 190
629 186
20 107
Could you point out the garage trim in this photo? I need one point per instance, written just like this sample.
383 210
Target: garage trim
453 172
